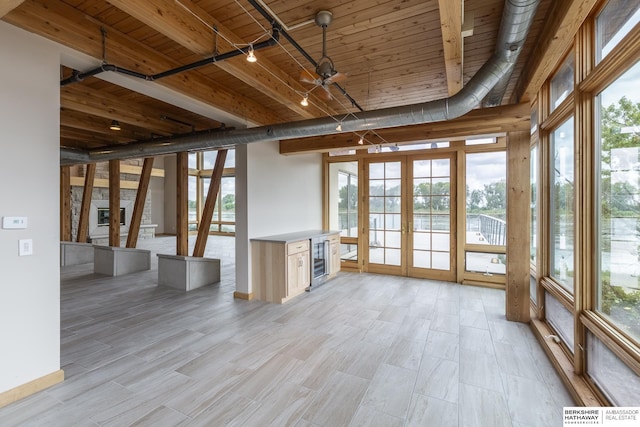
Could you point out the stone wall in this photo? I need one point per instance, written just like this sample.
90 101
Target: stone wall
100 234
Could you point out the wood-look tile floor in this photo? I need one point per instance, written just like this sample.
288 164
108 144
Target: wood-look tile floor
362 350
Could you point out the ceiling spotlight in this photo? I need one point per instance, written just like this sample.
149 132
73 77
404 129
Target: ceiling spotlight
339 127
361 141
377 149
434 145
115 125
251 57
305 100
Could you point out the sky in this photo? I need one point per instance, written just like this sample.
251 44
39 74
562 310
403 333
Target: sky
485 168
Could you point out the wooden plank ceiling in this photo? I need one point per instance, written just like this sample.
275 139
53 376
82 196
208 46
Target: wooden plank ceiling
393 52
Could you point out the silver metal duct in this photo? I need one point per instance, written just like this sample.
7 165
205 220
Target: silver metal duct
510 41
515 24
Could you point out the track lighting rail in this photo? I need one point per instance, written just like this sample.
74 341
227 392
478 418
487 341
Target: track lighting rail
299 48
78 76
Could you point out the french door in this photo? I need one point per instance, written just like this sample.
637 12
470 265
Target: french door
410 216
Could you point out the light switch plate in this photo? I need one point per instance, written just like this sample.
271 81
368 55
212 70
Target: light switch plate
26 247
9 222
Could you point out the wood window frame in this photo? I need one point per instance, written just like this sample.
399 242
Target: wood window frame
590 80
458 150
200 174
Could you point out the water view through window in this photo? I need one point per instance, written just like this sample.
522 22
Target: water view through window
486 175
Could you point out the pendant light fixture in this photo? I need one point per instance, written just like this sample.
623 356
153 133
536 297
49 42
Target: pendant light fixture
251 57
115 125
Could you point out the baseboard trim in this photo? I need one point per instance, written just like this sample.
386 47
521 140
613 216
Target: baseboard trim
32 387
242 295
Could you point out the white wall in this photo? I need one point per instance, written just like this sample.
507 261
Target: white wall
274 194
29 187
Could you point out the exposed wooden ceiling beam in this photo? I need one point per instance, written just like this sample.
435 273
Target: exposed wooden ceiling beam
185 27
100 125
70 27
483 121
562 23
451 25
81 144
80 98
8 5
74 134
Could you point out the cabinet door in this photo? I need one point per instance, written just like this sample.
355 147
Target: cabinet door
297 273
292 275
334 258
304 273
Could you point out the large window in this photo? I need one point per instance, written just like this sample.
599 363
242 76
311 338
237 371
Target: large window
193 203
619 202
347 204
562 206
486 176
587 219
343 208
200 168
224 212
619 383
486 204
562 83
533 218
533 212
613 23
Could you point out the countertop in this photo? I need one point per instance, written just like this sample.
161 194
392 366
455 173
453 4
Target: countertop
295 236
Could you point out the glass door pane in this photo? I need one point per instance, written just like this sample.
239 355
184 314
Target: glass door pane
385 213
430 217
410 217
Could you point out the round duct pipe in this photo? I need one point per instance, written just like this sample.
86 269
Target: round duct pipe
515 24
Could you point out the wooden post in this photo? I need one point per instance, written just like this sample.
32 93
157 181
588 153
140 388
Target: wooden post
65 203
87 192
114 203
138 208
207 212
182 204
518 228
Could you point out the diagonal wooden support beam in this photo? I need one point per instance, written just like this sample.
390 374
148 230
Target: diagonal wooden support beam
83 221
207 211
138 207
